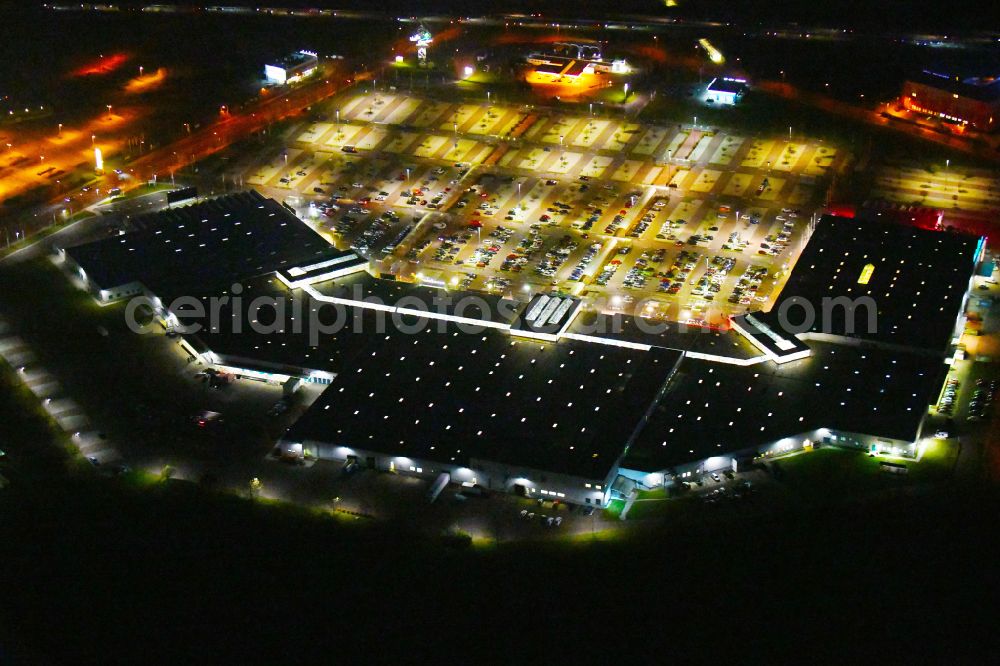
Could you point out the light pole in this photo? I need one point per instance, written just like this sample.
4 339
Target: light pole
789 132
60 129
93 137
109 111
625 98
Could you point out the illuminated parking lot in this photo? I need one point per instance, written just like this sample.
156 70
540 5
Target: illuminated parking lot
696 222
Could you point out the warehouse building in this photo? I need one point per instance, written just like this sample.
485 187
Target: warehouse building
726 91
965 101
208 244
291 68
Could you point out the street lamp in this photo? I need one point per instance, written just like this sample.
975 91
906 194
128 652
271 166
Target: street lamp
789 132
626 92
109 110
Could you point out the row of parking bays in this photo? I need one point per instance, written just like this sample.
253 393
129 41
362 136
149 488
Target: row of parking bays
63 409
582 254
523 220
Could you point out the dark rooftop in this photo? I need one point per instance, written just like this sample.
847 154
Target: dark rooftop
714 409
473 305
215 242
416 386
292 344
980 88
917 278
671 335
442 395
734 86
293 60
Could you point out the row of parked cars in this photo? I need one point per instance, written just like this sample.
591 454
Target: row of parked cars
672 281
947 403
747 286
451 245
643 269
556 257
588 257
982 397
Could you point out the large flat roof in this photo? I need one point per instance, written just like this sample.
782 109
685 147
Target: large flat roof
293 60
565 407
365 305
215 242
409 385
472 305
270 339
916 277
722 343
713 409
726 85
979 88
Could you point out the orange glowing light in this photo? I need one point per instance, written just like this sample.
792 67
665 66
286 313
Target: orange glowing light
102 65
146 82
563 84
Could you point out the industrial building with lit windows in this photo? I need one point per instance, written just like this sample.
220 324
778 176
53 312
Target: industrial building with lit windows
964 101
291 68
551 400
726 91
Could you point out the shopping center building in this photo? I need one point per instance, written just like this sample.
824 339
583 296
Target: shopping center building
550 399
